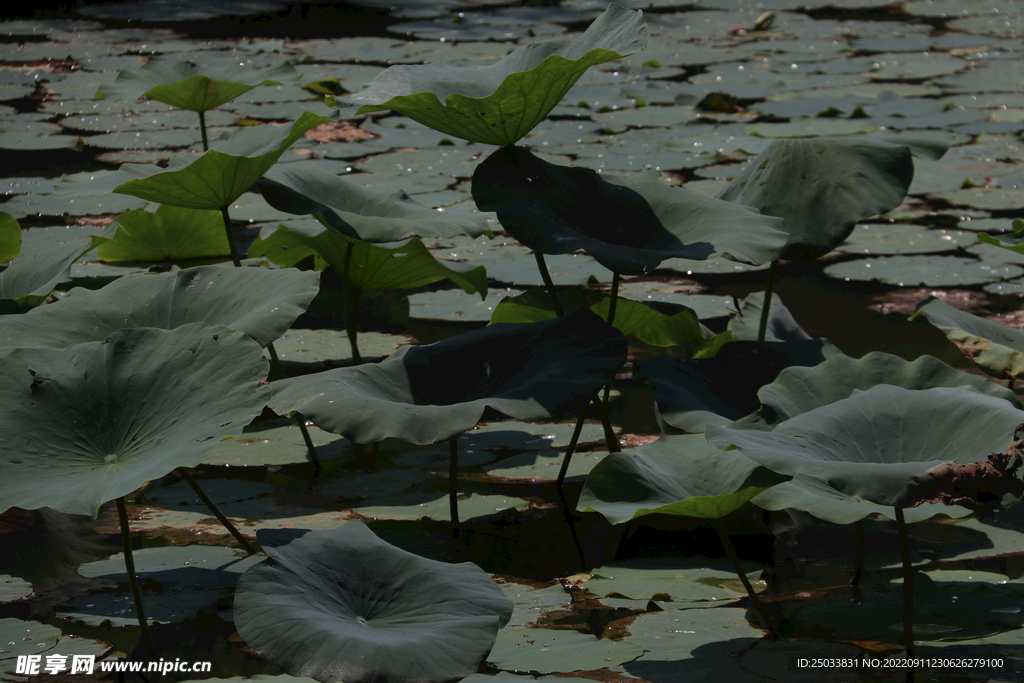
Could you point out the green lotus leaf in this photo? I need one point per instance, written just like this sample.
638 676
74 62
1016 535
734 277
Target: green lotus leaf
823 186
997 349
284 249
545 650
675 475
782 326
691 392
1014 242
83 425
876 442
257 302
172 233
361 212
377 266
798 390
344 606
426 394
188 86
629 223
31 277
10 237
500 103
214 179
653 322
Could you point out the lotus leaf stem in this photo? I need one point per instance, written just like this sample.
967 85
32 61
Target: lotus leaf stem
453 484
908 585
731 552
569 451
242 540
310 448
351 307
202 131
548 282
609 434
859 573
611 321
231 236
762 328
571 521
133 580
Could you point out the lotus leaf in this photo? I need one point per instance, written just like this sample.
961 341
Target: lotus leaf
873 444
216 178
10 237
343 605
676 475
670 579
31 277
170 234
426 394
188 86
258 302
1014 242
544 650
823 186
923 271
630 224
500 103
86 424
359 212
996 349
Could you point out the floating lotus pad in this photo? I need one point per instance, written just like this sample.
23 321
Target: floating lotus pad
452 304
676 475
669 579
342 605
531 603
258 302
996 349
426 394
128 411
923 271
630 224
176 567
873 444
332 347
277 443
500 103
13 588
881 238
542 650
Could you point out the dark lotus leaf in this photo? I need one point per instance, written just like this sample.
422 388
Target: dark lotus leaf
30 278
360 212
258 302
873 444
823 186
675 475
188 86
344 606
82 425
693 392
798 390
782 326
996 349
630 224
426 394
500 103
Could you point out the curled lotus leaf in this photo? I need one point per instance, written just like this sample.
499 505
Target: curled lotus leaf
997 349
344 606
500 103
426 394
629 223
873 444
188 86
675 475
258 302
31 277
1014 242
823 186
82 425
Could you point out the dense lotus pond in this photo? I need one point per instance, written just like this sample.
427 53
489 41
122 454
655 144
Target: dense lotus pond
654 599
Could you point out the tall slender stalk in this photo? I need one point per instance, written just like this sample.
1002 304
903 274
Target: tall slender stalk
546 276
609 434
276 373
569 451
763 327
731 552
202 131
231 236
133 580
453 484
611 321
908 584
242 540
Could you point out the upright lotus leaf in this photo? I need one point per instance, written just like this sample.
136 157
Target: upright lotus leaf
188 86
82 425
426 394
692 392
343 606
172 233
500 103
629 223
653 322
675 475
359 212
798 390
400 264
1014 242
997 349
10 237
30 278
782 326
257 302
212 180
872 445
823 186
